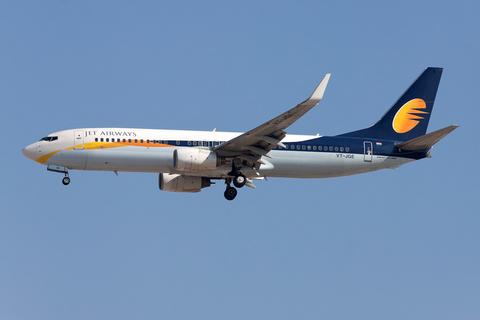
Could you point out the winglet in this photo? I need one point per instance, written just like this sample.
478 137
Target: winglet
317 95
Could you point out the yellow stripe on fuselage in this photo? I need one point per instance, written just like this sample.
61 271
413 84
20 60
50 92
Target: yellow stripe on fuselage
44 158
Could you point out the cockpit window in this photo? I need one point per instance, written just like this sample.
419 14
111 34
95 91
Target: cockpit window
49 139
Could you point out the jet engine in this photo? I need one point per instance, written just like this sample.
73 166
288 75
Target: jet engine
194 159
181 183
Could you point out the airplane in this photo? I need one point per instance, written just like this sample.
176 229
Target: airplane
188 161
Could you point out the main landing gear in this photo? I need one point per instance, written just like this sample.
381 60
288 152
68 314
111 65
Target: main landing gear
230 193
239 181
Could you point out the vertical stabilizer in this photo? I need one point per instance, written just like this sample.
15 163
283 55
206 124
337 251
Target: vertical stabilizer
409 116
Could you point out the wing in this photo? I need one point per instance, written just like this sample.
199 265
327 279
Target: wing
254 144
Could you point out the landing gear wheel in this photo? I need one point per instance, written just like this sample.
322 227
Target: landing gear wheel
66 180
239 180
230 193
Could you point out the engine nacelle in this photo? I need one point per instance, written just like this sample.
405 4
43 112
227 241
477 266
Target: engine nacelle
181 183
194 159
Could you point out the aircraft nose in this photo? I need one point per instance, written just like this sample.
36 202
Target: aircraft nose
29 152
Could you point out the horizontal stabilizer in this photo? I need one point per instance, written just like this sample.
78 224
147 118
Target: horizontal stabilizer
426 141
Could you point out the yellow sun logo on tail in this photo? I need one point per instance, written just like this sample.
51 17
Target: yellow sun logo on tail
409 115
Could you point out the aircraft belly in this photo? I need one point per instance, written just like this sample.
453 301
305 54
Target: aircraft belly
327 165
297 164
131 159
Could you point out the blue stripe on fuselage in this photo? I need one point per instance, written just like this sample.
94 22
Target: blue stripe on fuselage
353 145
335 144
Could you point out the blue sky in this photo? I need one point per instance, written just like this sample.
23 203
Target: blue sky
393 244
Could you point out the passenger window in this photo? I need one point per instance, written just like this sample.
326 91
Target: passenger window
314 148
303 147
135 140
107 140
347 149
124 140
336 148
341 149
309 147
189 143
96 139
330 148
298 147
141 141
292 147
101 139
178 143
129 140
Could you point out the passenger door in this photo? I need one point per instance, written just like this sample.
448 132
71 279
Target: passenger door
78 140
367 151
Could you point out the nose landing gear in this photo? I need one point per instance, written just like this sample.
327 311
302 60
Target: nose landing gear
60 169
66 179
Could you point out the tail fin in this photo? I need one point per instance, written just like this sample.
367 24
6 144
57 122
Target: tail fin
409 116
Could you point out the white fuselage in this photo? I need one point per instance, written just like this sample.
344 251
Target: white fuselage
145 150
